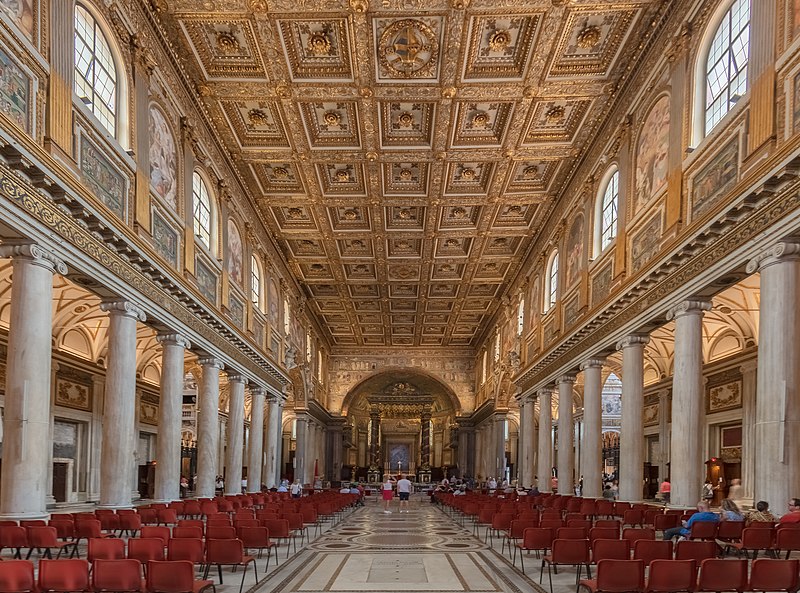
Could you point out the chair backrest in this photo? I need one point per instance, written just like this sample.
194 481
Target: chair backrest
703 530
237 523
87 528
757 538
295 520
695 550
254 537
168 515
220 532
649 550
64 529
762 524
612 549
16 576
633 534
42 537
277 527
773 575
551 523
171 576
181 532
722 574
186 549
518 527
191 523
572 533
603 533
33 523
730 530
63 575
13 536
106 549
666 521
144 549
118 575
787 539
615 523
570 551
537 538
224 551
666 576
620 575
161 533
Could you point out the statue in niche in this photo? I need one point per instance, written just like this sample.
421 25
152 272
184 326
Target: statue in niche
290 357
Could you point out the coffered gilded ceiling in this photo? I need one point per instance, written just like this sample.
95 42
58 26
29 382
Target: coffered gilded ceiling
405 153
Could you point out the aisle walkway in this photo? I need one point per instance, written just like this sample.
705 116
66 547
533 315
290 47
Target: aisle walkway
423 550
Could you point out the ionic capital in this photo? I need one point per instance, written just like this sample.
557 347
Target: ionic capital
633 340
775 254
211 363
124 308
689 307
174 338
35 254
597 362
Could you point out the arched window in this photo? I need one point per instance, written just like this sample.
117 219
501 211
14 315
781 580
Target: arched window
521 315
320 370
497 346
201 207
255 283
551 282
606 225
308 345
287 319
483 366
726 63
96 80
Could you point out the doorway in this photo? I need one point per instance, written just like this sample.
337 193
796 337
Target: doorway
60 478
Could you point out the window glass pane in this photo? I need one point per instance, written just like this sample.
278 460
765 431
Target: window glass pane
95 71
202 210
255 282
608 217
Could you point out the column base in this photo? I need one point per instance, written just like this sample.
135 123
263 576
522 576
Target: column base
114 506
166 500
29 516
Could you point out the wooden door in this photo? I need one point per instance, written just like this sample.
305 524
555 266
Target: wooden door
60 481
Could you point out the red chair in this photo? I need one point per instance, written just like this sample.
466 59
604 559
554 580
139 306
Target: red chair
603 533
703 530
730 531
671 576
88 529
64 576
148 516
192 550
279 529
237 523
515 532
296 525
633 517
14 537
65 530
130 524
209 508
162 533
167 516
145 549
584 523
604 508
228 552
46 538
648 550
610 549
181 532
697 551
774 575
722 575
109 522
633 535
572 533
786 538
567 552
551 523
117 575
33 523
664 522
192 508
615 523
616 576
220 532
16 576
258 538
500 523
175 576
539 539
111 548
310 516
192 523
753 538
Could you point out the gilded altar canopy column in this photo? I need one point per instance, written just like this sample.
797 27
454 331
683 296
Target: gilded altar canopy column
631 437
592 446
545 457
687 471
235 443
374 436
208 427
26 416
425 418
566 435
117 459
256 444
777 423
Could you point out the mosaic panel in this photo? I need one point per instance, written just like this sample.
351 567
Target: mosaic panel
103 179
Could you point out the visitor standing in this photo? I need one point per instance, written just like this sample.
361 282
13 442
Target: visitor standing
404 491
387 492
708 491
736 492
297 489
665 489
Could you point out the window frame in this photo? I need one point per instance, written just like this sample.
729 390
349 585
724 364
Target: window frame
550 293
256 275
611 177
197 199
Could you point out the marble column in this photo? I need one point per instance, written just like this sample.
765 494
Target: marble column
525 444
777 408
463 445
500 446
256 444
300 461
592 445
566 452
271 475
664 433
170 413
208 427
749 387
117 460
336 452
27 441
688 404
233 450
631 436
545 460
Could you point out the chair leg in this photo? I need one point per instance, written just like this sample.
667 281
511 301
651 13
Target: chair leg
244 574
219 568
550 577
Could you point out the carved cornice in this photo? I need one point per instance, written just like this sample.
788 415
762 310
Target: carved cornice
174 338
633 340
688 307
124 308
775 254
35 254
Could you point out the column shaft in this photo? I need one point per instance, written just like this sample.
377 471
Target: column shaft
256 445
300 452
26 417
500 447
592 446
566 436
688 404
170 411
545 465
233 452
119 415
208 428
524 449
272 445
631 436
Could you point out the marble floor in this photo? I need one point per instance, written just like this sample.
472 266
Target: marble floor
423 550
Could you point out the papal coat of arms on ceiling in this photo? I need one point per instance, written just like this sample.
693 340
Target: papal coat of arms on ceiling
408 48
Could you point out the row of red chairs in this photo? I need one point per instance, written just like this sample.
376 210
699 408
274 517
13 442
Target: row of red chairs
668 576
119 576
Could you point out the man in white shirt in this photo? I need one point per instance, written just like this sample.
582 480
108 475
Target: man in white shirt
404 491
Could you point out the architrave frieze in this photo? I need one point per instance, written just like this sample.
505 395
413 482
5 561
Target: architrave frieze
166 293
